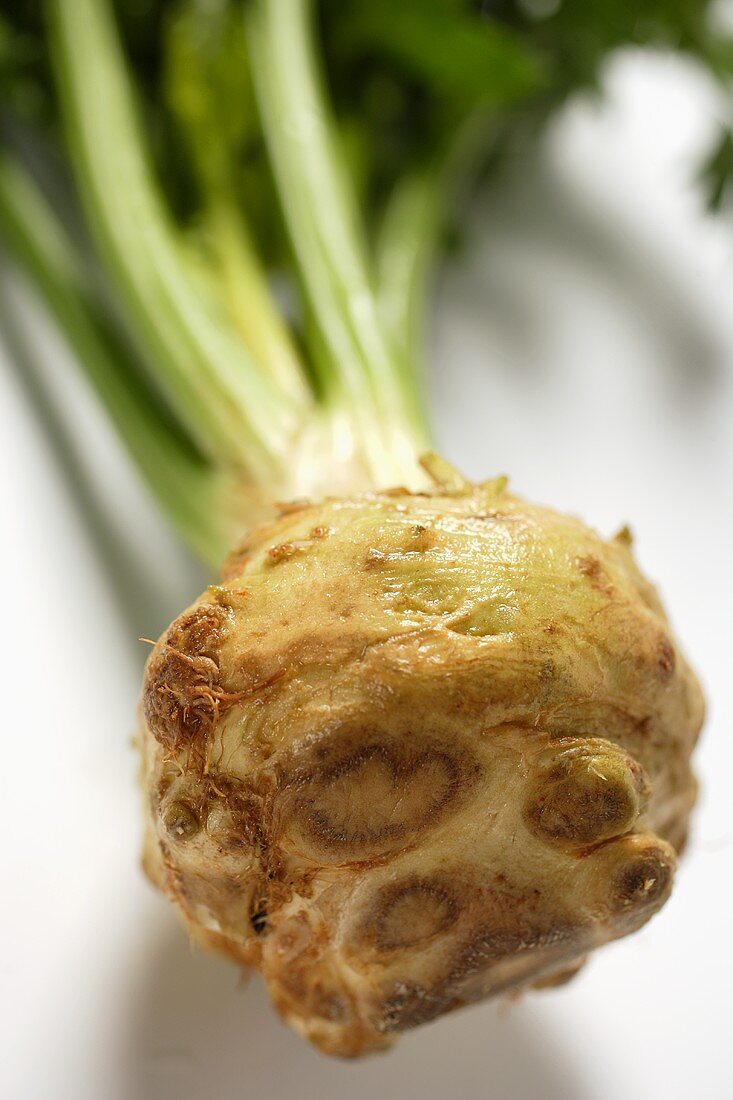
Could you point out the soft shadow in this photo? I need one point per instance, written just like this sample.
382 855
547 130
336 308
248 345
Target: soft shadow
147 592
195 1033
533 200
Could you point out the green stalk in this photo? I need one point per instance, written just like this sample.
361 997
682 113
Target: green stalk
237 415
250 302
405 252
407 246
360 367
203 46
190 490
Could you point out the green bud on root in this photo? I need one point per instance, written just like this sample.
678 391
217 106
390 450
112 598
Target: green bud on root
589 793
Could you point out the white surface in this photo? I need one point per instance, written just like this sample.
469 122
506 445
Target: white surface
585 346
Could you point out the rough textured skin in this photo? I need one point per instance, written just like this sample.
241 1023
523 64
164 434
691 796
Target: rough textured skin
416 750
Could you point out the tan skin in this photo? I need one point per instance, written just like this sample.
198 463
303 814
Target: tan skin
417 750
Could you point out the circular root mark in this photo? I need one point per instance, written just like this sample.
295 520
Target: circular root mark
407 914
356 800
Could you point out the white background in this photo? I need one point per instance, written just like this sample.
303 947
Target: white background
584 345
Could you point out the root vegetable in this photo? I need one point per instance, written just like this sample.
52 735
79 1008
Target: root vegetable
417 749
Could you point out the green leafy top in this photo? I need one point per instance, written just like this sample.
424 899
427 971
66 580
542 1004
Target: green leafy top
167 164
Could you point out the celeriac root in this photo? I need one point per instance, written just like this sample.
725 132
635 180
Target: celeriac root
417 750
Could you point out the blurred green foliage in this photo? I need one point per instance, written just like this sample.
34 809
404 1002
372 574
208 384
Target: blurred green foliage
404 77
